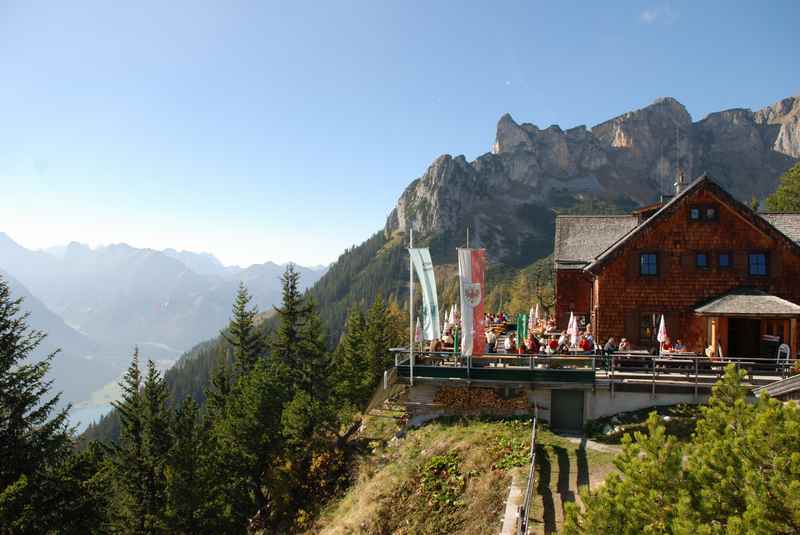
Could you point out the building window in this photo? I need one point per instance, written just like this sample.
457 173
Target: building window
648 264
724 260
757 264
703 213
701 260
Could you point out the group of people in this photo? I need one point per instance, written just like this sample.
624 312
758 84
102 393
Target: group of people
540 343
495 319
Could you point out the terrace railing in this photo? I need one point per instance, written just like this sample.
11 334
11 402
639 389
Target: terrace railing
524 511
688 369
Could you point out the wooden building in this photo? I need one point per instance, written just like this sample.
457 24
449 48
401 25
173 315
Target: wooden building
715 268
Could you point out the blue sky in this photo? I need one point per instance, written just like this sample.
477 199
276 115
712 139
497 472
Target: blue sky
286 131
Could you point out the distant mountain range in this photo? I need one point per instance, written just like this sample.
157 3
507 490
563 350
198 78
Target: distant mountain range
101 302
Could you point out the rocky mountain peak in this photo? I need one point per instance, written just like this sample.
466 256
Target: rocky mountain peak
629 159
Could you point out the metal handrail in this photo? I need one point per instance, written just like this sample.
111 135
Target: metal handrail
524 511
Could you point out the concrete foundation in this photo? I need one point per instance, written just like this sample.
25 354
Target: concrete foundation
598 403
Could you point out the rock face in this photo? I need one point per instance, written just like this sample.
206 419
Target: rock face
630 159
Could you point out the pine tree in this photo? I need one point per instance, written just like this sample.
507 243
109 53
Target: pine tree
218 391
38 478
141 454
187 490
353 373
380 334
129 471
787 197
242 333
156 443
292 315
738 475
249 443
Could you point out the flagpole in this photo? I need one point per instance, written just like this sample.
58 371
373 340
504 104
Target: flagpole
411 305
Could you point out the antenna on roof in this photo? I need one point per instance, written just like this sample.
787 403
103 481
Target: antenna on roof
680 179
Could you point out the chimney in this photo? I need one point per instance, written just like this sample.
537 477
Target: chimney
680 182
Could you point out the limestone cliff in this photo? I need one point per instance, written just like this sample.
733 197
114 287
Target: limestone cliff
632 158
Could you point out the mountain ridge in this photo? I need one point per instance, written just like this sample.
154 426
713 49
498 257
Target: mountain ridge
630 158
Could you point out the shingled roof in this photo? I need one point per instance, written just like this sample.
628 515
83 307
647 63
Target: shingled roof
748 302
789 224
580 238
762 223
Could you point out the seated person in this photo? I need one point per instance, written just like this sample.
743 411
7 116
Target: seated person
448 337
511 343
491 341
712 355
611 346
532 344
436 345
552 346
679 346
585 344
667 345
562 340
624 345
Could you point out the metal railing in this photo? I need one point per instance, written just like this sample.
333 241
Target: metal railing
691 369
524 510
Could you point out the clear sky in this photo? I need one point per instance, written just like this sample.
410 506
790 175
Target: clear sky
286 131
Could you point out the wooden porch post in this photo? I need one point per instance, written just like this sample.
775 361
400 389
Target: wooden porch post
793 336
714 335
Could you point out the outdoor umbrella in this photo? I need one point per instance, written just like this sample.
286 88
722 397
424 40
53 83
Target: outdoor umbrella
572 330
662 333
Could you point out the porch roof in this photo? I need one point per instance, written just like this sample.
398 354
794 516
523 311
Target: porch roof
748 303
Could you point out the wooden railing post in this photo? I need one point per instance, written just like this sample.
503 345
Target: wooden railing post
653 393
696 369
612 375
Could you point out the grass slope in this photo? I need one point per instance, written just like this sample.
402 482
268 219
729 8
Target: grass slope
453 476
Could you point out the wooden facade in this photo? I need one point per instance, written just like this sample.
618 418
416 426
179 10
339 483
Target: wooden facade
699 246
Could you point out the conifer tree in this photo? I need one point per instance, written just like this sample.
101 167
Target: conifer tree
37 476
141 454
156 443
218 391
739 474
386 327
187 490
353 371
292 315
249 442
787 197
242 333
129 470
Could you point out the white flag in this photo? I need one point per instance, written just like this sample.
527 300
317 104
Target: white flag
421 259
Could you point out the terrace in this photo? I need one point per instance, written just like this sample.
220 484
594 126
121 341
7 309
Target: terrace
631 371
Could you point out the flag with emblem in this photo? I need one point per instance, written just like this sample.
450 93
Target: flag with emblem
471 268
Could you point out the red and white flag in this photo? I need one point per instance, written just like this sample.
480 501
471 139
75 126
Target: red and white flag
471 268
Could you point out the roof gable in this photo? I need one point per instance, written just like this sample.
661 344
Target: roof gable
705 181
